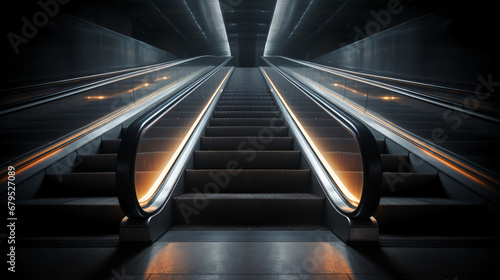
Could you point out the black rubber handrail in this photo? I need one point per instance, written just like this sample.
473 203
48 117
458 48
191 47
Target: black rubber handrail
125 163
372 170
46 98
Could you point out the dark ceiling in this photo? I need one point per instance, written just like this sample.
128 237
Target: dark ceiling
246 28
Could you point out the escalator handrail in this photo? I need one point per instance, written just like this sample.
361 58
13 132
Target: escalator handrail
442 102
40 100
125 163
82 78
372 171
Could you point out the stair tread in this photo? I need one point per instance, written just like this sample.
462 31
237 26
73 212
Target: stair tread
72 201
421 201
246 122
110 146
97 163
299 196
210 227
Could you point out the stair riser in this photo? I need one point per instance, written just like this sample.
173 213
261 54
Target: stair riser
80 185
238 143
451 220
246 122
257 131
247 181
204 211
411 185
247 103
71 219
247 160
96 163
245 108
246 114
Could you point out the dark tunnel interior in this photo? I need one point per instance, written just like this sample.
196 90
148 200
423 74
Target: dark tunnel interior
63 39
250 139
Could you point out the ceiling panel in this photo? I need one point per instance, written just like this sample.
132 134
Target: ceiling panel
295 28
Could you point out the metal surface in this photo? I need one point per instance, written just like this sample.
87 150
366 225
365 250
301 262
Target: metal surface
108 103
147 225
451 102
441 48
303 28
371 170
350 230
262 234
126 161
465 141
71 47
199 23
45 97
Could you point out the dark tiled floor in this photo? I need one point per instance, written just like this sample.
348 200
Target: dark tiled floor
256 256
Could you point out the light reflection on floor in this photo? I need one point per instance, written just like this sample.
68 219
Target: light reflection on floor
324 257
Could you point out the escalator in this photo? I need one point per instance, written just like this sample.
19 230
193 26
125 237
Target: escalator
65 167
81 203
473 139
422 200
236 159
247 175
23 133
419 204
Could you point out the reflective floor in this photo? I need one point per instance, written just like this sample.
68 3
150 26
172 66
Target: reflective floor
256 255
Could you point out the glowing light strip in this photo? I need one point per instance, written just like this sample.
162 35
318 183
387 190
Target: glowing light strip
447 160
443 158
156 185
325 163
57 148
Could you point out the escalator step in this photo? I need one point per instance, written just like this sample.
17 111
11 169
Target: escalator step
74 215
246 122
97 163
244 99
262 131
110 146
245 108
394 163
256 143
247 103
247 159
411 184
246 114
244 93
308 227
249 209
435 216
79 185
247 181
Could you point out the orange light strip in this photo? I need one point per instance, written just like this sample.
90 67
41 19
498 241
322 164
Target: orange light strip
338 96
162 78
436 154
156 185
349 89
447 160
352 199
55 149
